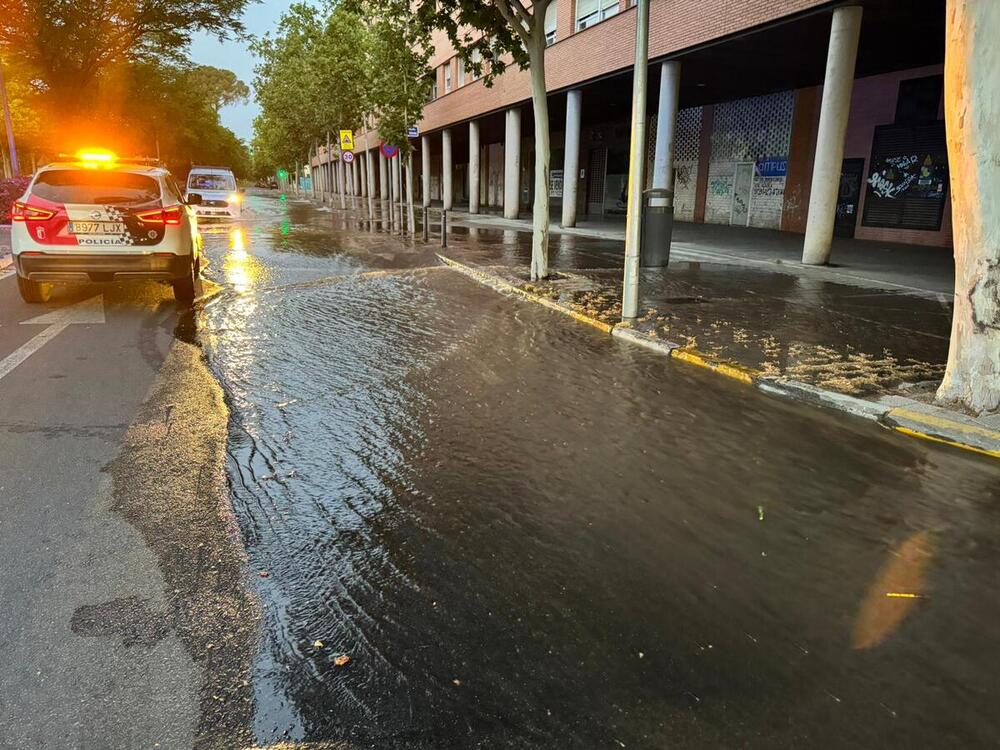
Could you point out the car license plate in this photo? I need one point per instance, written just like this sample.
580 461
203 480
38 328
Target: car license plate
97 227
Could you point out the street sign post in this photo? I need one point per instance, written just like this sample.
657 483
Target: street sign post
389 151
346 140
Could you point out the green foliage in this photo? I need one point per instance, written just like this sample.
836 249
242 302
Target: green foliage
355 65
217 86
502 32
64 47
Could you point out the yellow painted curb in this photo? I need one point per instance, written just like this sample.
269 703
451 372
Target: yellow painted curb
935 439
941 422
742 374
500 285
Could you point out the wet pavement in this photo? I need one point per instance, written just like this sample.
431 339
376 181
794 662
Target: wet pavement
860 338
527 534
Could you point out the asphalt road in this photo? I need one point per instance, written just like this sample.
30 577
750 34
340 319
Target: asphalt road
109 564
522 533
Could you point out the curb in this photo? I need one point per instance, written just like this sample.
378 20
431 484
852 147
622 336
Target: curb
911 422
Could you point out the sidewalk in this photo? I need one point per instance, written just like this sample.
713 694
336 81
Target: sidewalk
867 338
926 271
5 256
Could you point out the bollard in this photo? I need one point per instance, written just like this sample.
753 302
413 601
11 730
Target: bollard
427 216
444 228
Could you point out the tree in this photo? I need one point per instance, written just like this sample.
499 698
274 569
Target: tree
218 86
65 46
312 78
972 111
506 32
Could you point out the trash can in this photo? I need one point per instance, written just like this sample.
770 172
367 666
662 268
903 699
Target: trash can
657 226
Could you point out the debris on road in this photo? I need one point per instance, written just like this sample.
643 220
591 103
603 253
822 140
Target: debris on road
342 660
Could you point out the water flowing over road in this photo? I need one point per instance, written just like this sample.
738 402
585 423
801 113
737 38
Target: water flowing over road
527 534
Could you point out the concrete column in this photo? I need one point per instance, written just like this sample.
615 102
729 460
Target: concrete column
571 160
425 169
447 193
473 166
666 125
834 111
512 164
383 176
361 174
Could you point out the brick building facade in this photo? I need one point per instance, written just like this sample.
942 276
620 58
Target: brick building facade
745 133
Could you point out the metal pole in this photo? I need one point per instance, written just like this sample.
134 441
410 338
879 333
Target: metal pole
444 228
8 124
637 162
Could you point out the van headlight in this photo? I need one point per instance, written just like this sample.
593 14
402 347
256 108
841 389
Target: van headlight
235 198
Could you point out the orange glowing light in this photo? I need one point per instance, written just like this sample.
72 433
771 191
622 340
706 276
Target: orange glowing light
96 156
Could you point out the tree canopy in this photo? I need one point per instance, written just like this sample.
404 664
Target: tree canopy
114 73
344 68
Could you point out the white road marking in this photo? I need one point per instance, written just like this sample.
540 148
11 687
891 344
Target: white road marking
90 311
28 348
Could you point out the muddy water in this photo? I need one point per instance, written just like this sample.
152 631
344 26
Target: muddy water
525 534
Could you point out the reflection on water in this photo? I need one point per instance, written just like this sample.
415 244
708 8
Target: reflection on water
525 535
894 593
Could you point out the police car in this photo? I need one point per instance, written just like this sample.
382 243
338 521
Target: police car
95 217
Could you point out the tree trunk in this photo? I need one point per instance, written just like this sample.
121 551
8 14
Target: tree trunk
972 111
540 107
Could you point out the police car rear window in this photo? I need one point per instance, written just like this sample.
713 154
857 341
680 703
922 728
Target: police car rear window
96 186
211 182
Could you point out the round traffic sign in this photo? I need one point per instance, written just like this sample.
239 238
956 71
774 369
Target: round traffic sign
347 156
389 152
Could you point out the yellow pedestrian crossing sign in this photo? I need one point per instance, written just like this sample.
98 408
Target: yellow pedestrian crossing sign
346 140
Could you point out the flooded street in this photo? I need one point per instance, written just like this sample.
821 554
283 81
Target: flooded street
526 534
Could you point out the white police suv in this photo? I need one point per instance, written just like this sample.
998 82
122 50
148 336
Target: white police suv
99 218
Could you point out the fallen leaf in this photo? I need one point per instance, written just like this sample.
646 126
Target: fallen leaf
456 683
342 660
317 644
264 574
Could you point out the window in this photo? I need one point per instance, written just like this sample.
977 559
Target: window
447 77
434 87
477 57
96 186
919 100
550 24
589 12
461 71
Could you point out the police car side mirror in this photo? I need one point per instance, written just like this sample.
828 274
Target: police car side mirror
193 199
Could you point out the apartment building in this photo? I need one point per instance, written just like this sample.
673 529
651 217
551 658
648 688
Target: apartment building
736 94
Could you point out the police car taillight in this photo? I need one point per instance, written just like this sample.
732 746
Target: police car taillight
24 212
171 216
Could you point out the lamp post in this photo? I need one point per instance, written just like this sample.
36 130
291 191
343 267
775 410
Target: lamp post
637 159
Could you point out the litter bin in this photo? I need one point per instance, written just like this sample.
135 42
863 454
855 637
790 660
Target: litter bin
657 226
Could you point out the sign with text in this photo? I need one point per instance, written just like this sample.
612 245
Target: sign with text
346 140
556 183
412 132
772 166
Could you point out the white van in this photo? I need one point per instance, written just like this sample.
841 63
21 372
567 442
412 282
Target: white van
220 197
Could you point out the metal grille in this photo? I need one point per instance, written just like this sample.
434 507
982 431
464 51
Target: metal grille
749 128
688 142
595 182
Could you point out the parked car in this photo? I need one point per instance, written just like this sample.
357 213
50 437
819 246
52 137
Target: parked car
220 196
98 218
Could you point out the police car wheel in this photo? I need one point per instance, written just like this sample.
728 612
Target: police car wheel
33 291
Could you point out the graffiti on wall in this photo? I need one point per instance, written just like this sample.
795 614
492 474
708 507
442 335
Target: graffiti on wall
908 175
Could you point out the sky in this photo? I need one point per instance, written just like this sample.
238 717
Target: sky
235 56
